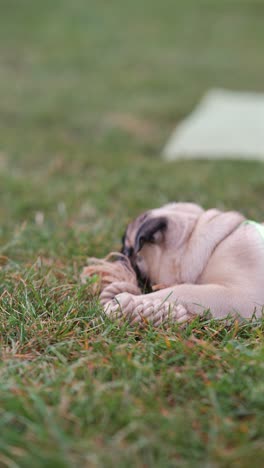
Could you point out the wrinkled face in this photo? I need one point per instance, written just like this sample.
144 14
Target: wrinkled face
155 242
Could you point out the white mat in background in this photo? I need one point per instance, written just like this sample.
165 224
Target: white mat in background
225 124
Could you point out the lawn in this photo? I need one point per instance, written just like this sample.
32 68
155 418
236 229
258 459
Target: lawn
89 93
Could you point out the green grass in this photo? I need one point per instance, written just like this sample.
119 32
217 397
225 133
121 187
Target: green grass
89 92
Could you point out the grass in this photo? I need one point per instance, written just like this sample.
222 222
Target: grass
89 92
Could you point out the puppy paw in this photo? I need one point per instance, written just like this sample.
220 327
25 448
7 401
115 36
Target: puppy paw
144 310
121 306
116 289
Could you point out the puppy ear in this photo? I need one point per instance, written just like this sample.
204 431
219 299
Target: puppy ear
150 231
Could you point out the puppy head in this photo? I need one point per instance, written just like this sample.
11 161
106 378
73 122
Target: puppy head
155 241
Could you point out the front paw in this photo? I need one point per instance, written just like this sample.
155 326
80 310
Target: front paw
116 289
122 305
145 310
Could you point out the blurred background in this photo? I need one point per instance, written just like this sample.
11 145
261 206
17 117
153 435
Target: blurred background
90 90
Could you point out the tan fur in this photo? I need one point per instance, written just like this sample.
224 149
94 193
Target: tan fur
204 259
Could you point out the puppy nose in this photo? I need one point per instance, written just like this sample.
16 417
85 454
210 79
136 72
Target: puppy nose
128 251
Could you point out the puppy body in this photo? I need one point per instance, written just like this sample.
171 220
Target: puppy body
206 260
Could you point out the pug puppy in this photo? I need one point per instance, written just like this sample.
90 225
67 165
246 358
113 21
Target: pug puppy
196 260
